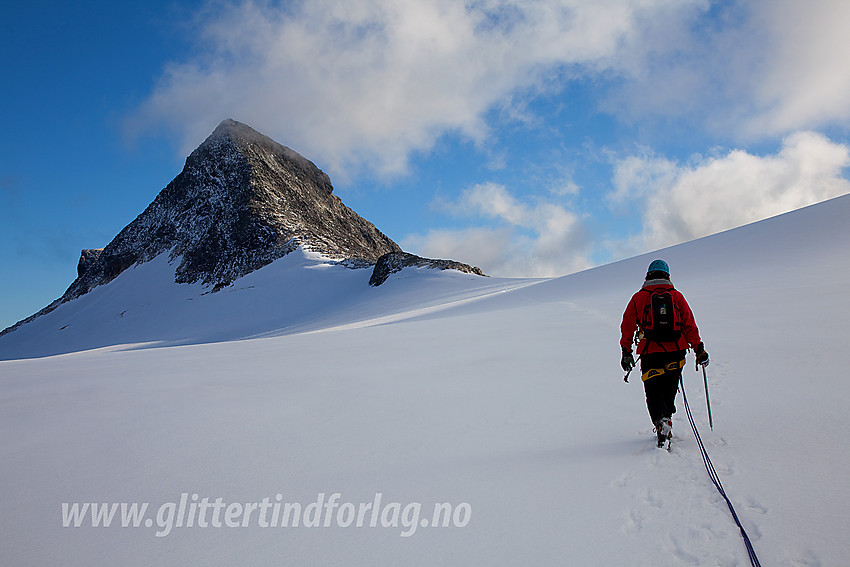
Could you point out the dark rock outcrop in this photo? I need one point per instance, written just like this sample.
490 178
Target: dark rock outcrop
393 262
87 257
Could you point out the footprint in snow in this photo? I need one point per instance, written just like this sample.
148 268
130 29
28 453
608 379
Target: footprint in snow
754 506
621 481
652 497
633 522
681 554
719 442
806 559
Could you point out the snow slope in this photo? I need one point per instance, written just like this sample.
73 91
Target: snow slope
500 397
298 292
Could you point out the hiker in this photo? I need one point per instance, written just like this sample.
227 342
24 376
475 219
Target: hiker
665 330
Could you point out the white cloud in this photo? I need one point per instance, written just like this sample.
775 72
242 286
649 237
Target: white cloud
806 80
363 83
682 202
534 240
366 82
744 69
487 248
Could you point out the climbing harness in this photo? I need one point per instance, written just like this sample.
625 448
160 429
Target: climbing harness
671 367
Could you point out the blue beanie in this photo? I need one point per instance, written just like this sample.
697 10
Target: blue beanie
658 266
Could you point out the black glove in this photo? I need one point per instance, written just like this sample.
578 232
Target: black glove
702 356
627 361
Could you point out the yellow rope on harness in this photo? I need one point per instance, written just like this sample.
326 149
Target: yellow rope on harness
652 373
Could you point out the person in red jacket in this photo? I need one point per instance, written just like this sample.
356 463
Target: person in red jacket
660 320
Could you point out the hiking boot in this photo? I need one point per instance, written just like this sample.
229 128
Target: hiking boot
667 427
664 429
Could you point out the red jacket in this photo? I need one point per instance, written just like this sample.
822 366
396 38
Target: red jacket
634 313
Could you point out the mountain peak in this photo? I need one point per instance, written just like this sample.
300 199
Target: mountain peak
229 126
231 136
242 136
241 202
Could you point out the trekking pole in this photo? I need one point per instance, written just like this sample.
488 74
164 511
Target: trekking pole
707 401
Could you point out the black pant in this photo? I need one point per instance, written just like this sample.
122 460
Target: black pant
661 389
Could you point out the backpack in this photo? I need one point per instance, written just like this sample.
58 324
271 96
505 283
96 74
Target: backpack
661 322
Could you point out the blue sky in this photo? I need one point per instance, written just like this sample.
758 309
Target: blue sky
529 138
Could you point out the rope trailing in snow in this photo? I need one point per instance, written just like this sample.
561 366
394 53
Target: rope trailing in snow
716 480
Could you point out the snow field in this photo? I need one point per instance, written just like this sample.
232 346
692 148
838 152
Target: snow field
506 395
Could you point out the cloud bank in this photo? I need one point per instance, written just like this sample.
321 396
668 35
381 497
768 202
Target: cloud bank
680 202
366 83
744 70
533 239
543 236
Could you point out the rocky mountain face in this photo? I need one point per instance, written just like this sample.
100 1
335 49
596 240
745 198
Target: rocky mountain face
241 202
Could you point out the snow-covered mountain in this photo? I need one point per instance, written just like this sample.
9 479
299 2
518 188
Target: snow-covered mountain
241 202
502 399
